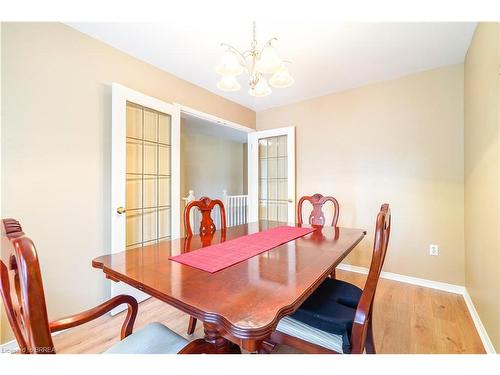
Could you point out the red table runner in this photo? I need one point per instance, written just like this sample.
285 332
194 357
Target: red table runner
217 257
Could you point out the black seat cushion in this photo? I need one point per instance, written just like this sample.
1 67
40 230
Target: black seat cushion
331 308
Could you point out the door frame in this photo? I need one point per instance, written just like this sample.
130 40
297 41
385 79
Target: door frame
218 121
214 119
253 170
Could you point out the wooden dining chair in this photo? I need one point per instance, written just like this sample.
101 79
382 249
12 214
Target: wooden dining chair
23 297
337 317
205 205
317 217
207 228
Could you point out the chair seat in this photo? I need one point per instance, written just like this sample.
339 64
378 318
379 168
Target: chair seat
331 308
343 292
154 338
310 334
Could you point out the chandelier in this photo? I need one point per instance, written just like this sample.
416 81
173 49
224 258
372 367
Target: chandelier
257 63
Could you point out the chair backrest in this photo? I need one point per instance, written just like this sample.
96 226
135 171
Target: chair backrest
12 228
363 315
22 293
317 217
205 205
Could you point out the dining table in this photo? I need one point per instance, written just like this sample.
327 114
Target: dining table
241 305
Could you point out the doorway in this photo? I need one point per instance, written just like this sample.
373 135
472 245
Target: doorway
214 161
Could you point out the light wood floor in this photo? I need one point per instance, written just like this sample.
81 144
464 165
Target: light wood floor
407 319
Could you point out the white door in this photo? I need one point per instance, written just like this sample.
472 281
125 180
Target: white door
145 181
271 175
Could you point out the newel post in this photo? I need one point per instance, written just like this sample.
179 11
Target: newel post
191 197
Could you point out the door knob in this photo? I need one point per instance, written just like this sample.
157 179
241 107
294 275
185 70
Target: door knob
121 210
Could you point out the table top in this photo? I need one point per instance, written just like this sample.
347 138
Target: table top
247 299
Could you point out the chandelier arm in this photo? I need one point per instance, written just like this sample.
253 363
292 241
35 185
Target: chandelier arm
238 53
268 43
241 56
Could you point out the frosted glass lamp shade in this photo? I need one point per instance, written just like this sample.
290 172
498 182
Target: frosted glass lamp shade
229 65
261 88
269 62
228 83
281 78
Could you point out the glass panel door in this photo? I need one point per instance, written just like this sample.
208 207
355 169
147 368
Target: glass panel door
271 175
273 179
145 175
148 176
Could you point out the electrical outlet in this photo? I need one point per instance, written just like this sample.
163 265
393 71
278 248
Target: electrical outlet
434 250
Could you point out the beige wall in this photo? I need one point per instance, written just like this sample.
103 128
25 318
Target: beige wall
482 181
399 142
210 165
56 102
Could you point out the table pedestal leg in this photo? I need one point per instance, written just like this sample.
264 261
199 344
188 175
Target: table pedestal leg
212 343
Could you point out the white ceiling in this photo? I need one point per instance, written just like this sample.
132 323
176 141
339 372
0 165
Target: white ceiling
326 56
198 125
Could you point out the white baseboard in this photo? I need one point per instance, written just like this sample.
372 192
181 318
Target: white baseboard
452 288
488 345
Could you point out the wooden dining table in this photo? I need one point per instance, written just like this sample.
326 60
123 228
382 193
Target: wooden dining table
241 305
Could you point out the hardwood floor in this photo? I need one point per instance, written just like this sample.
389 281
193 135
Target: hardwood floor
407 319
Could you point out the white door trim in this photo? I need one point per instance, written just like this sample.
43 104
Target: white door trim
216 120
253 170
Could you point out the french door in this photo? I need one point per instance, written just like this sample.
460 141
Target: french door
271 175
145 180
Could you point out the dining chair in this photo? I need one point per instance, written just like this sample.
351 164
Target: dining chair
23 297
337 317
205 205
317 216
207 228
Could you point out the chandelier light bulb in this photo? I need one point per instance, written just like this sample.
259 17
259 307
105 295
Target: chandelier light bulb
268 62
229 65
282 78
260 89
228 83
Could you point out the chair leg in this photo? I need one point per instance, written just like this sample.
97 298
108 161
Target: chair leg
191 325
370 343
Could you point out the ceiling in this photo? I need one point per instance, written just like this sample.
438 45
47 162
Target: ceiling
326 56
195 124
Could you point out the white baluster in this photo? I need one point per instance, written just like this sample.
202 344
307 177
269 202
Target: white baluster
231 205
233 211
236 208
240 208
237 204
